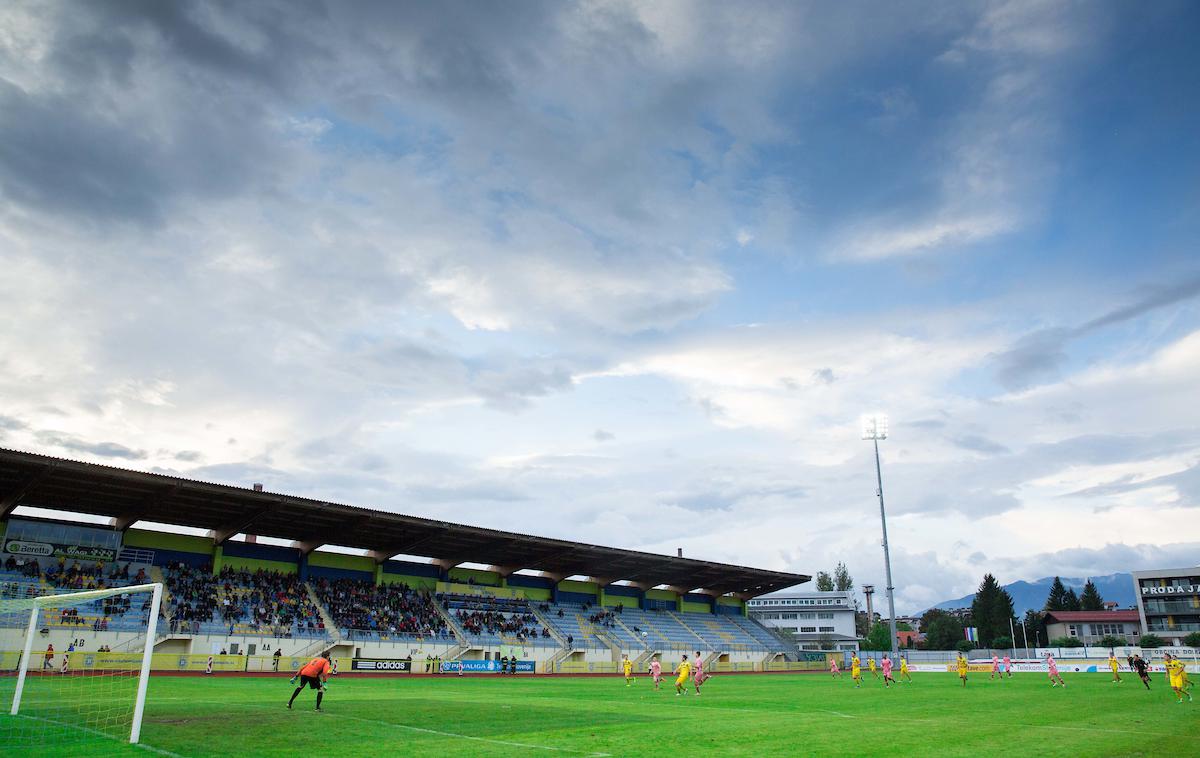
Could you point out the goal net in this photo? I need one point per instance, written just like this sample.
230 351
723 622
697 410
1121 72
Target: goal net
74 667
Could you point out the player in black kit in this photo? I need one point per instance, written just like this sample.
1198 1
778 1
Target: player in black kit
1142 668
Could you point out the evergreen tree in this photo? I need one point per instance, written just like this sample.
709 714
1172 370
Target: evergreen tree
1057 599
824 582
842 579
1072 601
991 610
1035 627
1091 600
943 633
879 638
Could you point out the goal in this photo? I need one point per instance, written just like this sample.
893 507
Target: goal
74 667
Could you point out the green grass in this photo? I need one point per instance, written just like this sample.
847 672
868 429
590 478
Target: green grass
736 716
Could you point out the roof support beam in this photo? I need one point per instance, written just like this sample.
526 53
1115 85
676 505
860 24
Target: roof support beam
222 533
410 545
335 537
145 508
504 571
14 498
552 576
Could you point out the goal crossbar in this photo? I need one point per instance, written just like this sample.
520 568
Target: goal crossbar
75 598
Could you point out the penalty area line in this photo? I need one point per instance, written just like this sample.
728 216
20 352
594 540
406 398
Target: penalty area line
489 740
98 733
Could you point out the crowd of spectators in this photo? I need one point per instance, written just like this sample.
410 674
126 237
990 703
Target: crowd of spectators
266 601
605 619
523 626
386 609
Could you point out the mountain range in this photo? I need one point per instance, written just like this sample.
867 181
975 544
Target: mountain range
1026 595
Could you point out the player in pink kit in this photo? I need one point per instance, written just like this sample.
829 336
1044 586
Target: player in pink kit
698 675
995 666
833 668
656 671
1008 666
1052 667
887 671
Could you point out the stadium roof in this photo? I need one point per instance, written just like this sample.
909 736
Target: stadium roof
1069 616
129 496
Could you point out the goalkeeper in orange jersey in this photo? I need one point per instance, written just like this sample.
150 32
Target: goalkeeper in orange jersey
314 675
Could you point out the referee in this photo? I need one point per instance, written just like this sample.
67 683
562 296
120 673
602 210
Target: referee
314 674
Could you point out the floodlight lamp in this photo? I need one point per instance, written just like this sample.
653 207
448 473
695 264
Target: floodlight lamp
875 426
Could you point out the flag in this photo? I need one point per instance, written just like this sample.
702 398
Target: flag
971 633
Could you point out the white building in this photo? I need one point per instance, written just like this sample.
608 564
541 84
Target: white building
817 620
1168 602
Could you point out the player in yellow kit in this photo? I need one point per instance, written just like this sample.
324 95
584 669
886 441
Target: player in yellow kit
1112 664
871 666
627 666
1176 676
856 670
684 670
904 675
962 669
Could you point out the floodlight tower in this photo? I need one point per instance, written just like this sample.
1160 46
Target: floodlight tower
875 428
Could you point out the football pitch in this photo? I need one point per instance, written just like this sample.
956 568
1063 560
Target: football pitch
738 715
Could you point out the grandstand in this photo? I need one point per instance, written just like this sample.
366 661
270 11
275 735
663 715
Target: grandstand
560 604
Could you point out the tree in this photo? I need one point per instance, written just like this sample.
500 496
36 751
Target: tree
1001 643
1192 640
1109 640
964 646
1072 601
826 642
1035 627
824 582
1066 642
943 632
1151 641
1090 600
842 579
904 626
880 638
929 617
1057 599
991 610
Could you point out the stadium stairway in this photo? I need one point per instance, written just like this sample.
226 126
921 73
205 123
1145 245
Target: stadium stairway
331 628
546 624
700 637
459 635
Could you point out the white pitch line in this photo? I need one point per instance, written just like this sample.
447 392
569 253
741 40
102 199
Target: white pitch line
98 733
470 737
506 743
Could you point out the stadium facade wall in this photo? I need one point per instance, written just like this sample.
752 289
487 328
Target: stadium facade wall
327 572
255 564
579 588
687 607
575 597
532 582
416 582
182 543
235 549
466 575
164 557
410 568
360 563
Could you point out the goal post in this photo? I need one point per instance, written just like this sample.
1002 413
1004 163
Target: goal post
88 692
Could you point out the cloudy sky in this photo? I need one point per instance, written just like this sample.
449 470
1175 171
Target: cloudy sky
625 272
